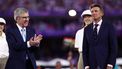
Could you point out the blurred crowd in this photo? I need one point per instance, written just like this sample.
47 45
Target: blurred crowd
60 26
68 28
61 7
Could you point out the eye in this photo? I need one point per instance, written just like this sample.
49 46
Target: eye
26 17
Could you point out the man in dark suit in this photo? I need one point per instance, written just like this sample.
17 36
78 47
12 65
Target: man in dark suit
22 40
100 42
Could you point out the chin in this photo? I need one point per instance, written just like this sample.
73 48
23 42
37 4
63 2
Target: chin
26 25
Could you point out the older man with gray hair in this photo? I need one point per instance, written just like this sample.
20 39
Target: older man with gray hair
22 41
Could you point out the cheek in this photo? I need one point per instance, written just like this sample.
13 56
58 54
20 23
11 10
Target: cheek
85 20
101 15
91 19
25 23
1 27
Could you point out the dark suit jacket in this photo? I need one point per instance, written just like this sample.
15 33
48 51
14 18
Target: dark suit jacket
18 48
104 50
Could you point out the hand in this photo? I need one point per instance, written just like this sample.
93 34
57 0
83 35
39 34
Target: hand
37 38
32 42
35 41
108 67
86 67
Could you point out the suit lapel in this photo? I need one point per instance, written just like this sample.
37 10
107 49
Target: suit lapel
90 32
101 31
27 34
18 34
91 29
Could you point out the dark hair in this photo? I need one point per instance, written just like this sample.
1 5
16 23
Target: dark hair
4 26
97 5
4 30
82 24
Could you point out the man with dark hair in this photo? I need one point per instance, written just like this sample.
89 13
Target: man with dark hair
100 42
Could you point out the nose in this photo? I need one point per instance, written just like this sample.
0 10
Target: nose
93 12
27 18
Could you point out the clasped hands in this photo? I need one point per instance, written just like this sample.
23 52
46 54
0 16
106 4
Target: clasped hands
35 40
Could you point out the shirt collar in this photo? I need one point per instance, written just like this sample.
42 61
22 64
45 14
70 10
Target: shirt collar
99 23
3 35
20 28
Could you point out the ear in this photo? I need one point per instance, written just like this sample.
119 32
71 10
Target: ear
102 13
16 18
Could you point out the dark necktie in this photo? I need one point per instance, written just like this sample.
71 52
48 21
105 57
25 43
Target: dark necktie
95 32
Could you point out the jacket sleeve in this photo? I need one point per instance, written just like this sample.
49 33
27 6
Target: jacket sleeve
112 45
85 50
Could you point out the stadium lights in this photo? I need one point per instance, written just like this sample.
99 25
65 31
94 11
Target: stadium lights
72 13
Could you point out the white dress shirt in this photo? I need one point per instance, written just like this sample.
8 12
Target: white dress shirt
23 32
79 39
20 28
99 25
4 50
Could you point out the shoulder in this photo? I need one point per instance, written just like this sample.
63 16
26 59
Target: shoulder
11 28
108 24
80 31
90 26
30 28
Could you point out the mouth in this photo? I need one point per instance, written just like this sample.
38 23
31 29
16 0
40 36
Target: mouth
26 22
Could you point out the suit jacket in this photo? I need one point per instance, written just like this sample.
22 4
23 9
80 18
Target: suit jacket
104 50
18 48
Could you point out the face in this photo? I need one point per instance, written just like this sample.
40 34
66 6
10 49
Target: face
23 20
1 27
87 19
96 13
58 65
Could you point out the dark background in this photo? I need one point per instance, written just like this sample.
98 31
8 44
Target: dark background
50 18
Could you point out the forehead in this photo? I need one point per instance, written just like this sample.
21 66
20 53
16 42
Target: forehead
24 14
87 16
95 8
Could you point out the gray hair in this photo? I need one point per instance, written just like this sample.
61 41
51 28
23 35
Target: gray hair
19 11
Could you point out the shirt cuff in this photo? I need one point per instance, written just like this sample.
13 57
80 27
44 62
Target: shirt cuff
110 65
28 45
86 67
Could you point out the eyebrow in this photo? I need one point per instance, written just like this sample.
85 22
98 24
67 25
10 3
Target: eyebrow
25 17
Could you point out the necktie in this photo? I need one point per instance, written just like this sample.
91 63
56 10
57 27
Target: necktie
95 32
23 34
